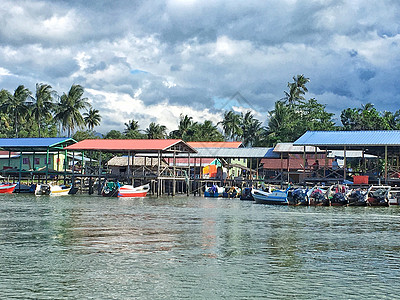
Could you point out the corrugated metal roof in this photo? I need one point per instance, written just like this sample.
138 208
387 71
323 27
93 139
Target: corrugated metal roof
136 145
215 144
138 161
290 148
236 153
350 138
38 144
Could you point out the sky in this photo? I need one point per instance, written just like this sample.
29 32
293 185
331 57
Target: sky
153 60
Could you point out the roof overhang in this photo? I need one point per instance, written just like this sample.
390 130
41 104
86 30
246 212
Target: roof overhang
133 145
35 144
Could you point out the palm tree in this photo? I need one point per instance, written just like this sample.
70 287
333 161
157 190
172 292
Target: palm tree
231 125
132 125
156 131
92 118
251 128
43 104
16 105
297 90
207 132
69 107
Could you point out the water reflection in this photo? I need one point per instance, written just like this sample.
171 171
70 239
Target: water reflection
193 247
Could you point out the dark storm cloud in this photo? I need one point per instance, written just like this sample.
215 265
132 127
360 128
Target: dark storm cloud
189 53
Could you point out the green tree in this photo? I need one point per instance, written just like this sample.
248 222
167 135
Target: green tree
81 135
231 124
205 132
69 109
114 135
92 118
297 90
251 129
43 105
15 105
156 131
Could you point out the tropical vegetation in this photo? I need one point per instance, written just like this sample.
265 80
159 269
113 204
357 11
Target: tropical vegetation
45 114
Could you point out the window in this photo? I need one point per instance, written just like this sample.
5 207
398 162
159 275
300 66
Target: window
37 160
48 162
25 161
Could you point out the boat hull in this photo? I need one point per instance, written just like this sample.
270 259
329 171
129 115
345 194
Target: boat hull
130 191
272 198
7 188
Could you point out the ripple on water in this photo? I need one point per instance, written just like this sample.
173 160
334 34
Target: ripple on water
193 247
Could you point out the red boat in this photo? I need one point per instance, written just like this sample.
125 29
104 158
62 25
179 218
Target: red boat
7 188
130 191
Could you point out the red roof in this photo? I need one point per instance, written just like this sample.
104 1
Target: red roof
128 145
215 144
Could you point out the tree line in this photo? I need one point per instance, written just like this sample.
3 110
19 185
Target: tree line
46 114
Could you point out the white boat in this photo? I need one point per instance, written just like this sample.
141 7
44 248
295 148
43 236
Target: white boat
52 190
274 197
130 191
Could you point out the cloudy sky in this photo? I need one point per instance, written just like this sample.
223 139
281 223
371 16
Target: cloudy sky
153 60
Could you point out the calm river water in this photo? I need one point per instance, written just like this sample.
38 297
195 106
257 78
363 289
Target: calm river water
88 247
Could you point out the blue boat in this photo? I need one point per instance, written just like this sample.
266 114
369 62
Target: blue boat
276 197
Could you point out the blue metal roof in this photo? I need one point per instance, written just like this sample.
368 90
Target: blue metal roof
34 143
350 138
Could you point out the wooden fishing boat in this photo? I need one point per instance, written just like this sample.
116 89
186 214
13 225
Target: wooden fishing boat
7 188
297 196
336 195
130 191
357 197
276 197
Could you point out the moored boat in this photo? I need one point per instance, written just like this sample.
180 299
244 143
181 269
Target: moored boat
276 197
130 191
246 194
7 188
378 195
214 191
52 190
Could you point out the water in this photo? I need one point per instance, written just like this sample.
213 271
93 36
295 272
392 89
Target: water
86 247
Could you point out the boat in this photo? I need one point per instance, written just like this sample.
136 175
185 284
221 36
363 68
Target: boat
214 191
336 195
246 194
7 188
278 197
232 192
52 190
25 189
297 196
316 196
377 195
130 191
394 196
357 197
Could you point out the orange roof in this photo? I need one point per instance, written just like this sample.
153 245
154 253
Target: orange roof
129 145
215 144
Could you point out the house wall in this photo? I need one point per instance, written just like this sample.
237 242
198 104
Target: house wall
37 161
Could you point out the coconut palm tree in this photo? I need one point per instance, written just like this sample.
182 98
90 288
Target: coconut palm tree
297 90
92 118
231 125
251 128
132 125
69 107
156 131
15 105
43 104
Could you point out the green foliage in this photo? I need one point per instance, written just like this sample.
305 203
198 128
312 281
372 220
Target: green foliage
81 135
368 118
156 131
114 134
